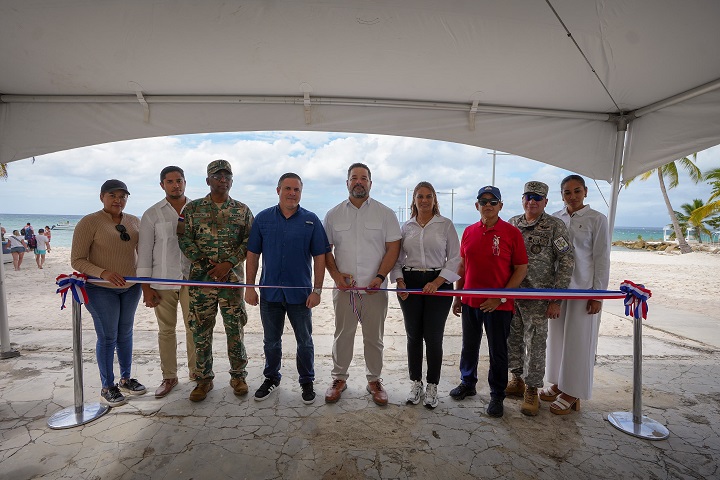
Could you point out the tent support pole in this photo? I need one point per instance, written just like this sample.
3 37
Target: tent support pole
622 125
6 350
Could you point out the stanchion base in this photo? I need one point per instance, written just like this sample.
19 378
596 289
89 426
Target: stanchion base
649 429
68 418
9 354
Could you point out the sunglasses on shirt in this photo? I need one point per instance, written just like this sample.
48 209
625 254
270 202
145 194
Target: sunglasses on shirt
534 196
485 201
124 236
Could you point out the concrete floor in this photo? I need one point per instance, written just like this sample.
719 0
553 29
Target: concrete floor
233 437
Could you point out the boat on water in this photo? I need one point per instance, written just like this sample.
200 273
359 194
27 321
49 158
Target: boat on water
66 225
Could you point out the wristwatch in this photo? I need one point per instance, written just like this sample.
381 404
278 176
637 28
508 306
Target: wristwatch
503 300
318 291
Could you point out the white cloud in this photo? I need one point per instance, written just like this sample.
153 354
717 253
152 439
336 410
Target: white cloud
68 182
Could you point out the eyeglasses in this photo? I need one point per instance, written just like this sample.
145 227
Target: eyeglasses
124 236
485 201
218 176
534 196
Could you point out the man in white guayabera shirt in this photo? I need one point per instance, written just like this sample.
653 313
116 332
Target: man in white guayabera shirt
365 237
159 256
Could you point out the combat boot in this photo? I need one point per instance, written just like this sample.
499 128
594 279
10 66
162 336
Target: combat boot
531 403
515 387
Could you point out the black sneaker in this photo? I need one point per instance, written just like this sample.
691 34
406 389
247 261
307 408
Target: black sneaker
462 391
308 393
268 386
112 397
132 387
495 408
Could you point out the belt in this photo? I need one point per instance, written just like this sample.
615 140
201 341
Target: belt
413 269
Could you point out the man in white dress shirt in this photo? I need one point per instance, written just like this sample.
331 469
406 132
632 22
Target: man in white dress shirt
365 236
159 256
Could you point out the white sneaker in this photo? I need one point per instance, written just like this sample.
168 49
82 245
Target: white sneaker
416 392
431 396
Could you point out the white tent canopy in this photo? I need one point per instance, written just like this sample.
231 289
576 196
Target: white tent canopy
82 72
557 81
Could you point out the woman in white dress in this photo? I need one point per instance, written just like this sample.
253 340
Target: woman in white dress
572 338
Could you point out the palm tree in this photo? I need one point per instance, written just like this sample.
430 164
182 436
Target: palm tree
670 170
691 220
712 207
3 170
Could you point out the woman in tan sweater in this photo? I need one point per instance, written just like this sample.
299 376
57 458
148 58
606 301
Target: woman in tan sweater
105 245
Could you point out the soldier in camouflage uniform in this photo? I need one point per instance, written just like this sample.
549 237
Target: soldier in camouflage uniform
551 263
215 240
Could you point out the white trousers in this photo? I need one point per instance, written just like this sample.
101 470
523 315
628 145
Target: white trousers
571 348
373 310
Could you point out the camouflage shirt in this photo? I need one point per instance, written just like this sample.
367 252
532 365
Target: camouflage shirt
218 234
550 253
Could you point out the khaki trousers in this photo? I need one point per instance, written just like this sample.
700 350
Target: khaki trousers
373 310
166 314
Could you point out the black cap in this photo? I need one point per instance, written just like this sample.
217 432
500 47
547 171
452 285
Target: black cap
112 185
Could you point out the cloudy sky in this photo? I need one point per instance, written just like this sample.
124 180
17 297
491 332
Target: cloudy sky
68 183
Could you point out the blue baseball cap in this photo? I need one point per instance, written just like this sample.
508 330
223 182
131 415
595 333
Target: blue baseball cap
494 191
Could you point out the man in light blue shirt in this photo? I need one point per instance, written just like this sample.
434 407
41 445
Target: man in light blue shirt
293 245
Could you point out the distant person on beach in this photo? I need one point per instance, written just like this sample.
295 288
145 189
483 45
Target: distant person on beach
42 247
215 240
28 231
366 237
48 234
159 256
572 338
104 245
550 265
18 247
293 245
429 260
492 255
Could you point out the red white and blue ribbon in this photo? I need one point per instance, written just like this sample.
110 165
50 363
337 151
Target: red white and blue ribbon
636 297
74 283
355 298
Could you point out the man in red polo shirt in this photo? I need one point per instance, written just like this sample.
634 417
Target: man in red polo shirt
492 255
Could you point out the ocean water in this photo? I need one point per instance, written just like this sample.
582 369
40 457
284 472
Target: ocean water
60 238
619 233
63 238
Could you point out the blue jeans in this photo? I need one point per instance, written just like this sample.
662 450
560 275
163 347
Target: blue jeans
113 312
272 315
497 328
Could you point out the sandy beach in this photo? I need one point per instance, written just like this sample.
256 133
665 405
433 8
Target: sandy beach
675 280
282 438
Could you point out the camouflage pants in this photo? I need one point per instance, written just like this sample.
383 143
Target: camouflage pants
204 304
527 341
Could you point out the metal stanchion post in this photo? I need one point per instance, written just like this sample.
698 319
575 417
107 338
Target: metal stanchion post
81 413
6 350
635 423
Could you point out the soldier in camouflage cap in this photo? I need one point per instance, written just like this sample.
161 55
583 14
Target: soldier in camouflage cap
551 263
215 240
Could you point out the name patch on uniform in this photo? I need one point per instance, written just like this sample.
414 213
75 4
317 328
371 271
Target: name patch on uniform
561 244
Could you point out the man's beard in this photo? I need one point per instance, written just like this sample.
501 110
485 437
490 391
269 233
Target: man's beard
358 194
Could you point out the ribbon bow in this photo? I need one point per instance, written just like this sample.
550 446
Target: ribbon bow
74 283
636 296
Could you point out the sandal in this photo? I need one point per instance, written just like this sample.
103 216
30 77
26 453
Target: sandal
563 407
549 394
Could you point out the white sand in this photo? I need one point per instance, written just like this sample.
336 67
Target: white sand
690 282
